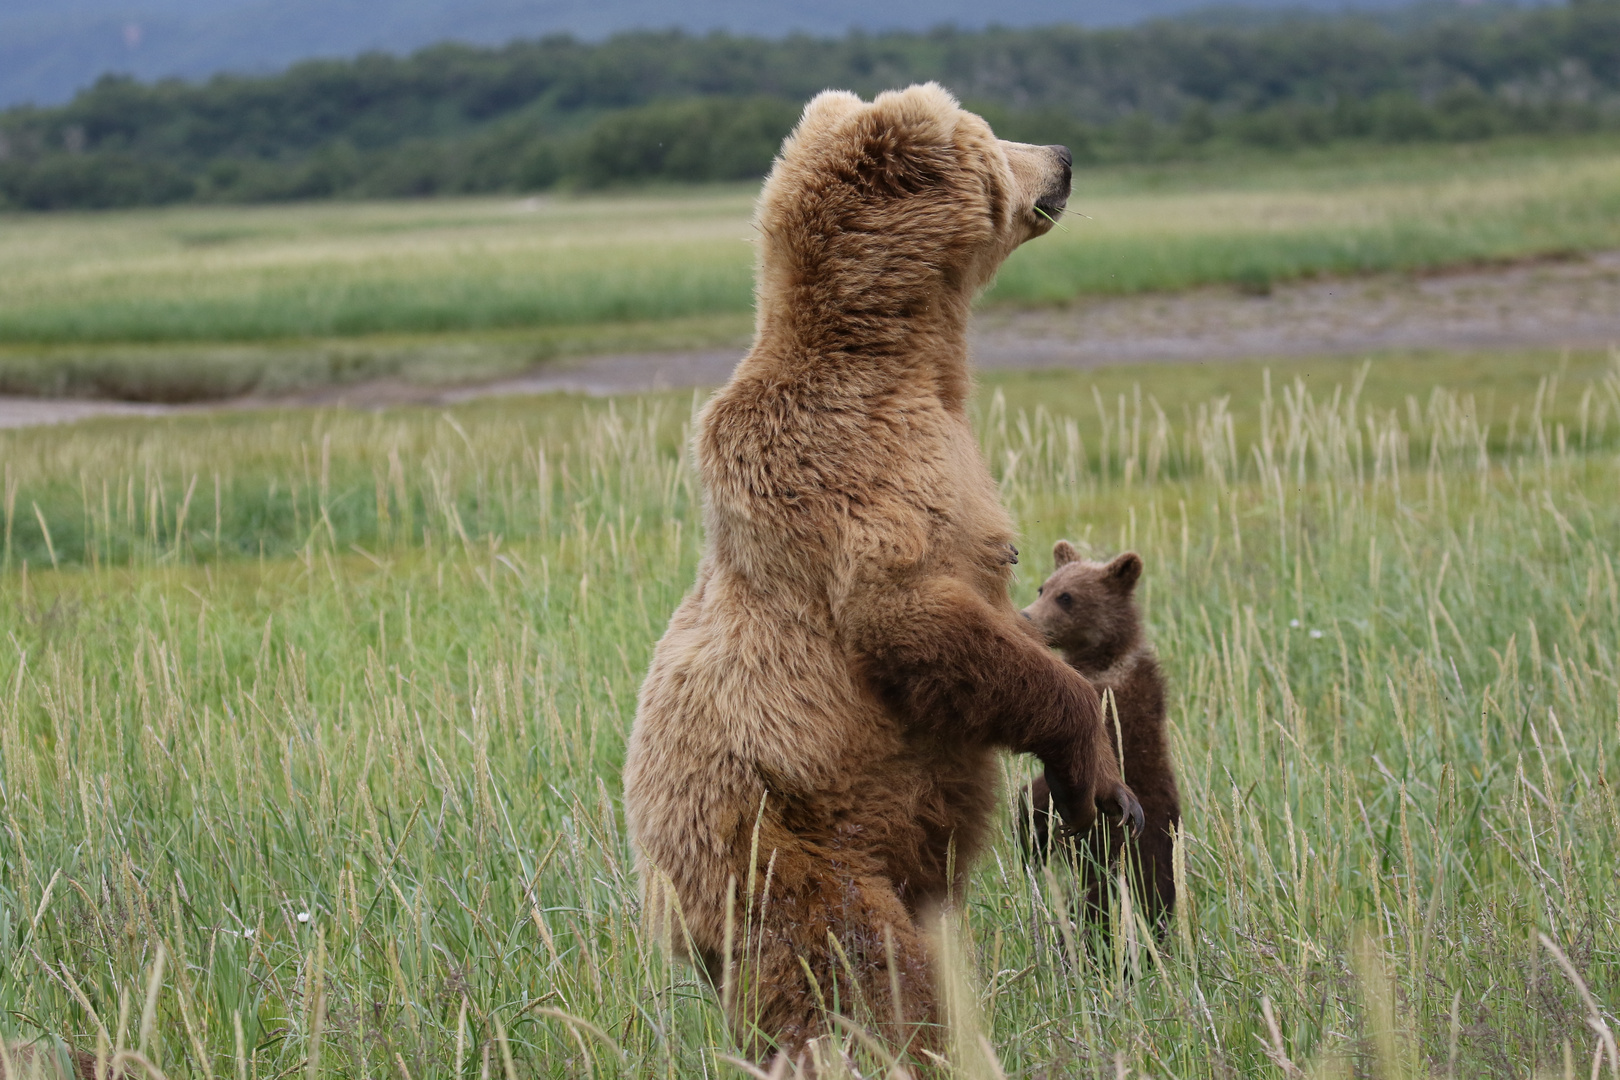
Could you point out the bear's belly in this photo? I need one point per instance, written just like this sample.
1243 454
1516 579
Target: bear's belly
743 700
916 818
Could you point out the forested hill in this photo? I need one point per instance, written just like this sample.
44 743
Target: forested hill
670 106
49 49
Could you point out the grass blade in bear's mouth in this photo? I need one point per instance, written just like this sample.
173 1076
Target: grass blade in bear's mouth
1051 213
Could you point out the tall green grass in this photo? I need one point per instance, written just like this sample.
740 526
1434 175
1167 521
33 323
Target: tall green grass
344 270
1391 627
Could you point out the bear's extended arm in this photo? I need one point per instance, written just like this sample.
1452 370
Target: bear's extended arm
949 662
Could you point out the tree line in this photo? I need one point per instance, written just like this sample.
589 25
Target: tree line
668 106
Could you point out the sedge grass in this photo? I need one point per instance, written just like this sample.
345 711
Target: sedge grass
357 799
245 484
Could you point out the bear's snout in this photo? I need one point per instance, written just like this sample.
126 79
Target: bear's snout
1041 177
1056 196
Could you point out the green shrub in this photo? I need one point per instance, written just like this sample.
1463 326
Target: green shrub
92 181
664 106
695 140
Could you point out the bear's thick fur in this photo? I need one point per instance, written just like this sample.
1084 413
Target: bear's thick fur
1087 610
815 735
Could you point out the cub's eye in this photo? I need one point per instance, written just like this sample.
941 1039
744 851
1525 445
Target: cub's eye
1065 601
1040 590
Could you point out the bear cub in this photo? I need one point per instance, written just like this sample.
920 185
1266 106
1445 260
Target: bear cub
1087 610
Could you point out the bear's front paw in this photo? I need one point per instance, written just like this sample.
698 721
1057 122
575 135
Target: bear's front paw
1119 800
1077 805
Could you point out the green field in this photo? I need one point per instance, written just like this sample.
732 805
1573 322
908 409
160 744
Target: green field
210 301
378 670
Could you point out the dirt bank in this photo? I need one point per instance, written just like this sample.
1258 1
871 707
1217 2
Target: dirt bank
1567 303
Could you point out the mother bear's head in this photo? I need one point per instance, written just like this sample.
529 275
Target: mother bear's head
894 211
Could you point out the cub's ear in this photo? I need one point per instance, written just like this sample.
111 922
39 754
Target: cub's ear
1063 554
1124 571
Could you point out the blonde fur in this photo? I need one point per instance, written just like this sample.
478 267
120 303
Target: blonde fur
823 708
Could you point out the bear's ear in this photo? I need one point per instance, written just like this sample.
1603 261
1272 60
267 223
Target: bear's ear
1124 571
1063 554
907 139
826 109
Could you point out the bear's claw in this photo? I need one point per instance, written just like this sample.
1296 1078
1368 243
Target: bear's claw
1122 801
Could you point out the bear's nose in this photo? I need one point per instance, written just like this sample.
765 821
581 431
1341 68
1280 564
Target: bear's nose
1027 615
1063 154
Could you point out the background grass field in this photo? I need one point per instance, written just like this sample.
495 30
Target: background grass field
312 722
202 302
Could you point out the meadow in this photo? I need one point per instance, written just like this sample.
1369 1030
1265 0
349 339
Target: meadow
205 302
311 725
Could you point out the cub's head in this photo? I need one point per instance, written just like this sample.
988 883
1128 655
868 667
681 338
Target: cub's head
897 205
1086 608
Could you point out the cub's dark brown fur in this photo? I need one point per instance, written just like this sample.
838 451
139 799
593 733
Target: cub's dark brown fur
1086 609
44 1061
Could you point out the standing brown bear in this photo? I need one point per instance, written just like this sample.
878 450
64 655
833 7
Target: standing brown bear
811 768
1087 610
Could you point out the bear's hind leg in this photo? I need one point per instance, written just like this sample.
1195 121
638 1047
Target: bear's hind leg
831 944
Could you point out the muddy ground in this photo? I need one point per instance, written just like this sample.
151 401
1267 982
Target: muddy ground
1571 303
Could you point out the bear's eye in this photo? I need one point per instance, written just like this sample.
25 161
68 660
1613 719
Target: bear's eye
1065 601
1040 591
